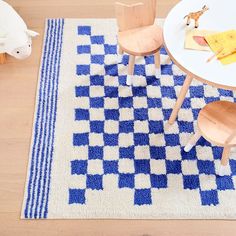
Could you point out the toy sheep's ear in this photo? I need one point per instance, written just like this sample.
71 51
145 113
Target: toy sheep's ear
31 33
2 40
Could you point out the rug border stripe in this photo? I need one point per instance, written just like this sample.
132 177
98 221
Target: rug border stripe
38 167
42 114
47 126
55 110
36 121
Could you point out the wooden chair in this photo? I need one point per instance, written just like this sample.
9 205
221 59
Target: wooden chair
138 35
217 124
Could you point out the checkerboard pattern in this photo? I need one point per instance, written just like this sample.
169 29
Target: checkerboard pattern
121 129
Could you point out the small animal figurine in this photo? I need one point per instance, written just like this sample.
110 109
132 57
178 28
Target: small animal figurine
15 38
196 15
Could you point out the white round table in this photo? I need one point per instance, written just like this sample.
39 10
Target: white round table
221 16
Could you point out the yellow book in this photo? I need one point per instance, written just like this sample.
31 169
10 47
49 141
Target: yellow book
225 41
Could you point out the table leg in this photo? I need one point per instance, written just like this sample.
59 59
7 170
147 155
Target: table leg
180 99
192 142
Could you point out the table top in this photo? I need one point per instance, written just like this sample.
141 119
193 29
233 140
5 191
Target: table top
220 17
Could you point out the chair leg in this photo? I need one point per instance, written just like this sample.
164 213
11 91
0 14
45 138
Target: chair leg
120 55
130 69
120 51
157 64
192 142
224 168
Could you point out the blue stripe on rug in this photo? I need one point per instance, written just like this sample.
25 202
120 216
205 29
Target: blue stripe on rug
38 188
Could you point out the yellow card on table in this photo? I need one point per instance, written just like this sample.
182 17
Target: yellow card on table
195 39
224 42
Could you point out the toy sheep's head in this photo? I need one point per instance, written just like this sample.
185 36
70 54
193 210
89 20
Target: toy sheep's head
18 44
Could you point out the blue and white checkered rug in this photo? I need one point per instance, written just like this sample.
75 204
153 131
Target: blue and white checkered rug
100 148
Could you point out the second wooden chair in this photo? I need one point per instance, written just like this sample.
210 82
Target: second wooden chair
138 35
217 124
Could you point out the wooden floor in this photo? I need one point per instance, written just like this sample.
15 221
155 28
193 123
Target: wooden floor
17 91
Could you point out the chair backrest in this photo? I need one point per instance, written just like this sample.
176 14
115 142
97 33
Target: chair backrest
135 15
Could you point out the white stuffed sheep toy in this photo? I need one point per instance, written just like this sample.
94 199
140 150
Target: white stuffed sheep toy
15 38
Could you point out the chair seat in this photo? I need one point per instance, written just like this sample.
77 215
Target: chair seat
141 41
217 121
